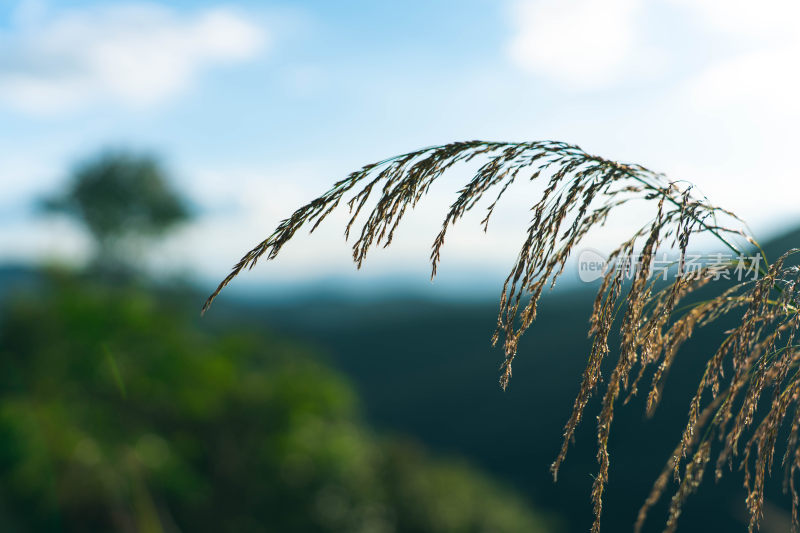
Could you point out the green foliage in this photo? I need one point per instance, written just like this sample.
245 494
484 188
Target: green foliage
117 414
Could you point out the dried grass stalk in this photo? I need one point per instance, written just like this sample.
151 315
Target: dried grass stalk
580 192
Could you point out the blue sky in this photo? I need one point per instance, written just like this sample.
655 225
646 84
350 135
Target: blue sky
258 106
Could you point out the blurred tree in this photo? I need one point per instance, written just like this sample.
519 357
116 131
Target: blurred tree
118 414
122 198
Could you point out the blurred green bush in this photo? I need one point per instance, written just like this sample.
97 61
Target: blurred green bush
117 413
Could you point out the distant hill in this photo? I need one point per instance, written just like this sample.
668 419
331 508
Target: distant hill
783 242
427 368
15 277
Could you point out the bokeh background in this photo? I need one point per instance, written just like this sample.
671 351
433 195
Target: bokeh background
145 146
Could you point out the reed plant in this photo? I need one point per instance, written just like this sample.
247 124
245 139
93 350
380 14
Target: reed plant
759 358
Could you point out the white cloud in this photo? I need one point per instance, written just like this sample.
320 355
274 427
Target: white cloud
135 54
762 78
767 80
583 44
744 108
745 18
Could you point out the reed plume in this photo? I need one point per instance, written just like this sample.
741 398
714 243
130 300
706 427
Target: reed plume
580 192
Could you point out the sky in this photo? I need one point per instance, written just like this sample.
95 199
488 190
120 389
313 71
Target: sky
257 107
